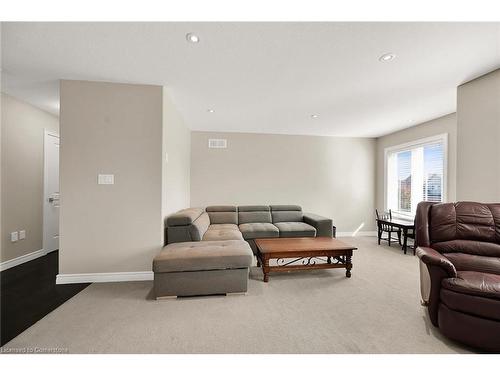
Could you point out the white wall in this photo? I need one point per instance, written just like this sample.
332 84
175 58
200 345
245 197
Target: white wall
176 158
446 124
478 109
112 129
22 131
329 176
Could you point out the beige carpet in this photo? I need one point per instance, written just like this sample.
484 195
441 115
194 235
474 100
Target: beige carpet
376 311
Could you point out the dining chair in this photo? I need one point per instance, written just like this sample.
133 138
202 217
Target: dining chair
411 234
384 227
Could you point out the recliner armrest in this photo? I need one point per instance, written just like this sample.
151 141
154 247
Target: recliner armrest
323 225
439 268
432 257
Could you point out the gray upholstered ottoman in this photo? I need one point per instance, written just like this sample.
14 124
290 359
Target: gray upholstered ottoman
202 268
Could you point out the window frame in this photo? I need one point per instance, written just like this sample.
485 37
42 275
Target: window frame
408 146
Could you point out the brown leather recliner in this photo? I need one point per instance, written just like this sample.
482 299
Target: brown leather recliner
459 251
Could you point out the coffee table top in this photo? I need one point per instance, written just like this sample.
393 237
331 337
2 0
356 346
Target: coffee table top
294 244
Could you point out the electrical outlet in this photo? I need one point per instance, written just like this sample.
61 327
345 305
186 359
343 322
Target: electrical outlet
14 237
22 234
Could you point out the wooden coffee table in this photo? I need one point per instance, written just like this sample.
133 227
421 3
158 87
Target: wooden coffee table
303 253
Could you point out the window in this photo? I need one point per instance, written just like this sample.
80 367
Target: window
415 172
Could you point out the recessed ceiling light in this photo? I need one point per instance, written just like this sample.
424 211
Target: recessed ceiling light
314 116
210 110
192 38
387 57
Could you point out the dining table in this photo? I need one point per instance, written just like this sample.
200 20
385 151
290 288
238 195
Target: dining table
405 225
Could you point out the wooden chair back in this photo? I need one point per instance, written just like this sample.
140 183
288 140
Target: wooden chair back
386 215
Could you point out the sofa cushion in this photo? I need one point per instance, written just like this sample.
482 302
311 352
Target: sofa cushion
296 229
475 221
479 306
478 263
223 227
474 283
222 214
254 208
184 217
463 220
254 214
286 213
226 208
199 227
220 232
204 255
285 207
258 230
468 247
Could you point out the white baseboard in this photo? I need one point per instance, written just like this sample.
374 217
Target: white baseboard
108 277
22 259
357 234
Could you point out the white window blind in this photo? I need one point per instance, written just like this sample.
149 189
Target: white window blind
415 173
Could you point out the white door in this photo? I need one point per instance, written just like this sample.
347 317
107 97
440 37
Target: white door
51 193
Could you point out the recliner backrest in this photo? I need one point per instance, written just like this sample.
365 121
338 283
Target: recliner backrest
462 221
222 214
286 213
462 227
254 214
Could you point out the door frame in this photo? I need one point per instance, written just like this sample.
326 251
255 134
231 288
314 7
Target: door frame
46 135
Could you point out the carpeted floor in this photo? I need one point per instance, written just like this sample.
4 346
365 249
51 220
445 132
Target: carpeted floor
376 311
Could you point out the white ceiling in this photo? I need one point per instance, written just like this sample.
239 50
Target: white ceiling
262 77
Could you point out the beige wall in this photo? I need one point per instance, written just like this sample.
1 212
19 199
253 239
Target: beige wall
330 176
22 174
446 124
112 129
176 158
478 108
1 158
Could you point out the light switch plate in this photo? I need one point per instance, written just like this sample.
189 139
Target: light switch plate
14 237
22 234
106 179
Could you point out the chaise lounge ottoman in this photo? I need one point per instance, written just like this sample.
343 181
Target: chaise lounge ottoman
202 268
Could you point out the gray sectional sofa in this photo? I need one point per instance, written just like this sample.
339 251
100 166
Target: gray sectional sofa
216 223
209 251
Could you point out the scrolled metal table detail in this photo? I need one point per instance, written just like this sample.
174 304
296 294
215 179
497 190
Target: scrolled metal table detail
339 260
305 261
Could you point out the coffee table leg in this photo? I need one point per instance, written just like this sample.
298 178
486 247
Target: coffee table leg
348 265
265 269
258 261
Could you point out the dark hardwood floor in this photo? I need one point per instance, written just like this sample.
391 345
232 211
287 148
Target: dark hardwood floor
29 292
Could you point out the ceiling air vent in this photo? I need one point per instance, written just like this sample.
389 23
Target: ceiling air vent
217 143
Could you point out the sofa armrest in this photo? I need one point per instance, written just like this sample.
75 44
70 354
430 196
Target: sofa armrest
438 268
433 258
323 225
